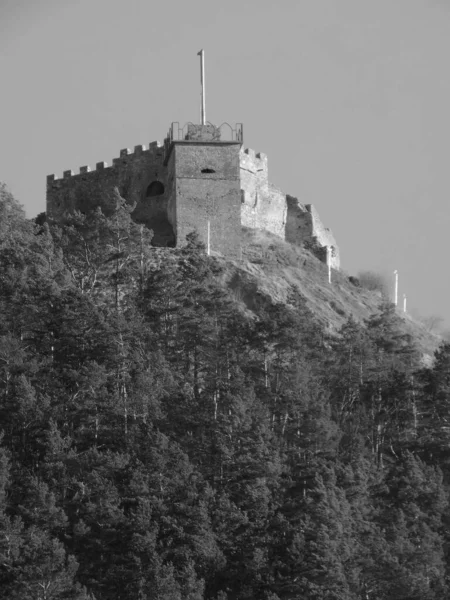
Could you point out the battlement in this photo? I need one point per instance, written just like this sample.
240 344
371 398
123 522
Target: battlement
253 154
154 148
254 170
254 162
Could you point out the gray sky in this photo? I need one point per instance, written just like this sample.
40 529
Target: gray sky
349 99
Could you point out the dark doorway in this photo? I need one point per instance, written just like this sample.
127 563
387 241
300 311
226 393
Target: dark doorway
156 188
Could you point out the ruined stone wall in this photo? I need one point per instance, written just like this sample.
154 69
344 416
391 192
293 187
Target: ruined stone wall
132 173
263 206
303 226
207 189
324 236
299 223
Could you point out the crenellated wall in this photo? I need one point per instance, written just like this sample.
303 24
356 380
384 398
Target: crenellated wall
125 171
132 173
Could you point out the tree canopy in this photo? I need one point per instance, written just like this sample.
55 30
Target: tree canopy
158 443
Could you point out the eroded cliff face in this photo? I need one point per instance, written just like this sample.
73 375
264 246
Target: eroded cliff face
263 206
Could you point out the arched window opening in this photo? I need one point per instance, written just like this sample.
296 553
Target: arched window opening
156 188
208 171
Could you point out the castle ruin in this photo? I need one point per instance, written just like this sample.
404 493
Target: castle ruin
201 178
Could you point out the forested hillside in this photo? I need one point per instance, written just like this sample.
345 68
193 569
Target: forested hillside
158 442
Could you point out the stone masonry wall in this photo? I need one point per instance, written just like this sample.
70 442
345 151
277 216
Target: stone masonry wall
303 225
207 189
324 236
132 174
263 206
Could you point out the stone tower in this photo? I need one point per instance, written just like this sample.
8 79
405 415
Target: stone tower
204 192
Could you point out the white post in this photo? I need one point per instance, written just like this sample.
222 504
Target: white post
329 263
404 303
396 288
209 239
202 79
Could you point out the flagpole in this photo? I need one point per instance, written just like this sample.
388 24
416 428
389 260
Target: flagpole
202 79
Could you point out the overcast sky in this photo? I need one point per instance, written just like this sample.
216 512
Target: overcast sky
349 99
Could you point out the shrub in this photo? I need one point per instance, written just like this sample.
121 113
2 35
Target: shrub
375 282
337 309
